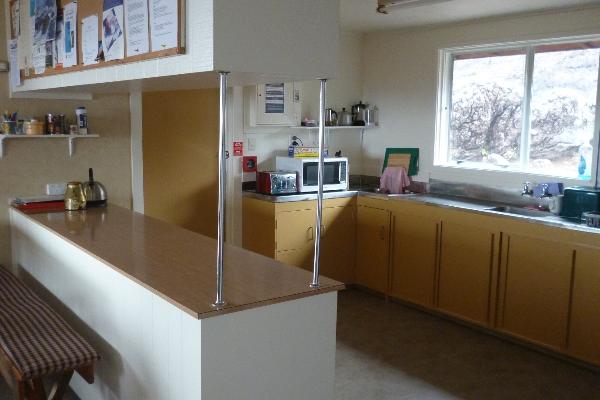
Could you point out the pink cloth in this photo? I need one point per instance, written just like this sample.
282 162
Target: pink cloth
394 180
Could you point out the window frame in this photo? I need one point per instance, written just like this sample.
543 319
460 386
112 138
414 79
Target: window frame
441 162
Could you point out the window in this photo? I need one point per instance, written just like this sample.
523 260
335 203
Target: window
525 108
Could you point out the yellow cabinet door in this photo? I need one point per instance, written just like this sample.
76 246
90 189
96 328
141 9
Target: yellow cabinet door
338 243
414 258
466 270
584 333
295 229
302 258
373 243
535 289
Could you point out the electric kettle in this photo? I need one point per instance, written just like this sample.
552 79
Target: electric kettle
95 192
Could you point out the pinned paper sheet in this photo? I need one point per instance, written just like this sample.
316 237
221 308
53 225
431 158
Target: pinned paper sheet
13 59
136 27
70 21
89 39
113 40
164 24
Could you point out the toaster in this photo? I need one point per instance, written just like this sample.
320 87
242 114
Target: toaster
579 200
277 182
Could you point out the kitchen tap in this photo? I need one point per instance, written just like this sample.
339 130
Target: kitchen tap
527 189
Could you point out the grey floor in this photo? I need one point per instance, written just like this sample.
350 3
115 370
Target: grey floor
389 351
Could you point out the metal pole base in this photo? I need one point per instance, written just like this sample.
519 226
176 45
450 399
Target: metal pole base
219 305
315 285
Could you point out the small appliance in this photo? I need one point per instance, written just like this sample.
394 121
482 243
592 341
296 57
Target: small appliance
95 192
277 182
335 173
579 200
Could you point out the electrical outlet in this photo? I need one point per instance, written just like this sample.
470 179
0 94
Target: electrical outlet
55 188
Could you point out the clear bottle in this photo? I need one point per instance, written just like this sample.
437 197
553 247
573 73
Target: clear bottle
584 168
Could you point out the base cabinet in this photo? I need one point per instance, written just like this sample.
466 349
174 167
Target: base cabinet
414 256
584 332
286 232
535 290
466 269
372 253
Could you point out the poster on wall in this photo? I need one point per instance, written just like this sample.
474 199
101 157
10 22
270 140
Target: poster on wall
136 27
13 58
15 18
113 40
45 21
70 29
164 24
89 39
59 43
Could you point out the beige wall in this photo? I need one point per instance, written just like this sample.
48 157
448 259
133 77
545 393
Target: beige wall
401 75
29 164
180 144
342 91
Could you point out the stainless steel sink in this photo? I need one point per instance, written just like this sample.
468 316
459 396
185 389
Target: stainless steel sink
526 212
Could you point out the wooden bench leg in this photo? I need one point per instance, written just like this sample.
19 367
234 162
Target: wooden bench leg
36 390
60 386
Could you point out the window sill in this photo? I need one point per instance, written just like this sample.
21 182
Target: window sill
499 177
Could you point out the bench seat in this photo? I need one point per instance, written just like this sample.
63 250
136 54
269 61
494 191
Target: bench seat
35 339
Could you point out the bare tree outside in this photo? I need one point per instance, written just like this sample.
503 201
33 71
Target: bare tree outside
487 106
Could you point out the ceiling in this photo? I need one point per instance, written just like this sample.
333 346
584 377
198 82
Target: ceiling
360 15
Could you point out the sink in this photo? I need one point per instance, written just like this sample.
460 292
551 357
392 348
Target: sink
526 212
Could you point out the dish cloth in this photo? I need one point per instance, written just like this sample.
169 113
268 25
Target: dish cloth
394 180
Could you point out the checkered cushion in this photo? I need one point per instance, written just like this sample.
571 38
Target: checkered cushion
36 339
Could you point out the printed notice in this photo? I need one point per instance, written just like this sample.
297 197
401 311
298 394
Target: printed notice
13 59
70 21
275 98
89 39
113 40
136 27
163 24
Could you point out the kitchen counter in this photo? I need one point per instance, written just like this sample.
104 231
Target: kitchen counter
179 265
141 290
472 205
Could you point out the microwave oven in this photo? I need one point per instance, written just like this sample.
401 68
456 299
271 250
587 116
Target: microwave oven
335 172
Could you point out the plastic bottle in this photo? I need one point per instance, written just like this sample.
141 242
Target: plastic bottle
584 168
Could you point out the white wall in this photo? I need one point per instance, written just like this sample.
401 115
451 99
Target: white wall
342 91
401 74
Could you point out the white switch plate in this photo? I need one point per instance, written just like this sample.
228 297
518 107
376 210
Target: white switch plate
251 143
55 188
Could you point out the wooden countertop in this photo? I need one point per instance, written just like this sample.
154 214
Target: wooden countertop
179 265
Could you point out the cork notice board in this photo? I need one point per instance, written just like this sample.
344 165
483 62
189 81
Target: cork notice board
85 8
402 157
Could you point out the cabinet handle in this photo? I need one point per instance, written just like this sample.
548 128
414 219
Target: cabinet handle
323 230
382 232
311 233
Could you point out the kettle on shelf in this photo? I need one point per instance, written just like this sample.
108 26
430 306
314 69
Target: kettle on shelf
358 113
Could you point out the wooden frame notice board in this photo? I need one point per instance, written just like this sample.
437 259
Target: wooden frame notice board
85 8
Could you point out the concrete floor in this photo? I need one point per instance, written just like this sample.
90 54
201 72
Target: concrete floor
388 351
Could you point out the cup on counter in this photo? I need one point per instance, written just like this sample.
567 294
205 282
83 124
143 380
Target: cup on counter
9 127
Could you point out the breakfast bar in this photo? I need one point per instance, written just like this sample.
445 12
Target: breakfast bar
141 291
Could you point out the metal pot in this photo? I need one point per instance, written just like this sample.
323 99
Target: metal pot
358 113
346 118
95 192
331 117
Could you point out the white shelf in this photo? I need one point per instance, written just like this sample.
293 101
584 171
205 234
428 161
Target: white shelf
335 128
71 140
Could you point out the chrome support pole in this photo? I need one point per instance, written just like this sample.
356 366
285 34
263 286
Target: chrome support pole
219 302
319 223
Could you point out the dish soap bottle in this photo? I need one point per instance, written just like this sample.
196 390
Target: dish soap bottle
584 168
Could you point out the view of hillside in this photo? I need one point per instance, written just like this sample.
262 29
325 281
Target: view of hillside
487 110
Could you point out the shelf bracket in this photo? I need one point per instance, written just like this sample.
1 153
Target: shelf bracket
71 146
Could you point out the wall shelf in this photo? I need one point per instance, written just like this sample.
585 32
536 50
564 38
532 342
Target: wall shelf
335 128
70 138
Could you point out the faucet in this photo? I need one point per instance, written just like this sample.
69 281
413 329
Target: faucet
545 192
527 190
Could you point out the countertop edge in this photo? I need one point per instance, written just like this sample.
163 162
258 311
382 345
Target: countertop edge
227 309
